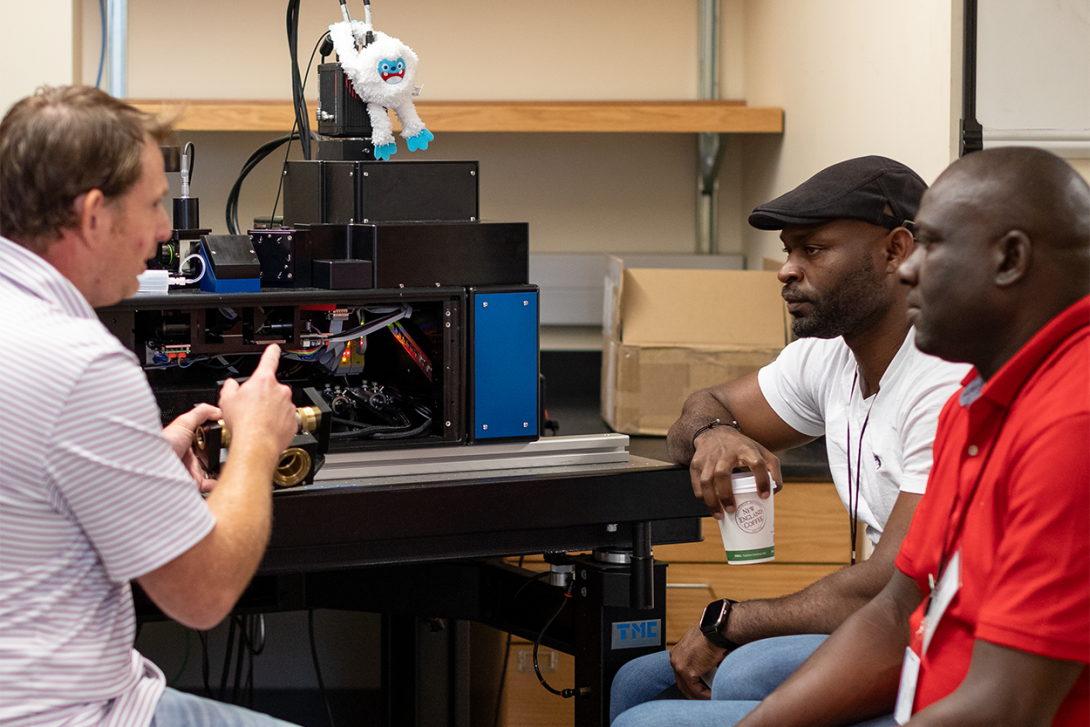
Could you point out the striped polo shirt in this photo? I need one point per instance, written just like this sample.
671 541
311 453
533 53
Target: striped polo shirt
91 497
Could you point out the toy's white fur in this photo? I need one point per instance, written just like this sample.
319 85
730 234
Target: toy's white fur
361 67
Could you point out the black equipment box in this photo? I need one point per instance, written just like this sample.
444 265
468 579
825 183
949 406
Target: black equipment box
390 364
344 192
430 255
341 274
278 253
341 111
231 256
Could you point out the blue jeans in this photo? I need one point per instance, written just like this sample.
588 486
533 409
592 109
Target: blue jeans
745 677
179 709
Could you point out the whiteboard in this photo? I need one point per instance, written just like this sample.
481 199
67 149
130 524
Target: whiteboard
1033 74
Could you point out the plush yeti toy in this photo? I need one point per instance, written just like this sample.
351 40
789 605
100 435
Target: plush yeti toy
382 74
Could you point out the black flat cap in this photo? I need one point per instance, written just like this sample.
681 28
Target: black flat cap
873 189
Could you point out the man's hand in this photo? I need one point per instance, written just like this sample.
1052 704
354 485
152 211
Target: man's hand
715 452
691 658
180 435
260 410
718 452
199 587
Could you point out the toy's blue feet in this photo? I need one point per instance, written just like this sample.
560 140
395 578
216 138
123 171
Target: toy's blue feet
385 151
420 141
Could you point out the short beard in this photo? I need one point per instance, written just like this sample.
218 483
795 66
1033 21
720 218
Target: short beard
858 302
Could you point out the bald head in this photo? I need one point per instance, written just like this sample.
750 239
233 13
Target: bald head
1020 188
1004 247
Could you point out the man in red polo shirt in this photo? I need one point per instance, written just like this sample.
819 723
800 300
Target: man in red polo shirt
986 620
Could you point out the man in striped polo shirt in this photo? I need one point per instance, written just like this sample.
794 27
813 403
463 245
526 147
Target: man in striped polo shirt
94 493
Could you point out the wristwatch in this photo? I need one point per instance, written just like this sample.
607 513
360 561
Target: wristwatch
714 621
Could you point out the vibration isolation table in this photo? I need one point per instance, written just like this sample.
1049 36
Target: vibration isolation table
432 545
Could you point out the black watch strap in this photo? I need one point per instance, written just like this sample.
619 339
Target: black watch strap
714 620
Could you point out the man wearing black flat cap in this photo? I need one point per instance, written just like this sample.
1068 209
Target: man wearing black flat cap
854 376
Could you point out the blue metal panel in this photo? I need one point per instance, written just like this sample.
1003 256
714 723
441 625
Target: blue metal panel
505 372
211 284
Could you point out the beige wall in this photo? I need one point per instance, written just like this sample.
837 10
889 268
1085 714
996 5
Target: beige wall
39 43
472 49
579 192
853 76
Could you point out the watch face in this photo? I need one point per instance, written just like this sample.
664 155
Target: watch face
713 615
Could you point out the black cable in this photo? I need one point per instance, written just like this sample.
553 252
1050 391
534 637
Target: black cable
317 667
530 580
358 429
280 185
185 661
239 658
369 36
565 693
377 432
227 661
251 642
192 158
256 158
302 120
255 641
206 667
225 365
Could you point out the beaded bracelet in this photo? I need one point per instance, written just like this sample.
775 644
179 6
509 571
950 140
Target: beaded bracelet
713 424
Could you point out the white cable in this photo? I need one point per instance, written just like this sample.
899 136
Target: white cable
182 280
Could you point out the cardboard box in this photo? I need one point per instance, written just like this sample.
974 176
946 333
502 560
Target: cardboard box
668 333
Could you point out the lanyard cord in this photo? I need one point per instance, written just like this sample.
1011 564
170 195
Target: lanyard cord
853 497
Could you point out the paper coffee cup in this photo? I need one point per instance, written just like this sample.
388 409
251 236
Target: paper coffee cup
748 533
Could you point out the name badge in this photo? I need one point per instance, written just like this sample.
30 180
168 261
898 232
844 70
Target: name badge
941 596
906 691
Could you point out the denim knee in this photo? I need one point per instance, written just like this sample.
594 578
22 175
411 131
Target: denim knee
639 681
754 670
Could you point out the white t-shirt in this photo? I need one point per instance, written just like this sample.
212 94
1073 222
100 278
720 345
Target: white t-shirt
91 497
809 386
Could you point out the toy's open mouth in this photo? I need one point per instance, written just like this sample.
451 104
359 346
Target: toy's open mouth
393 77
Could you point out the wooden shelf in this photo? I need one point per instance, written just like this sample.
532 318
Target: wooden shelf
729 117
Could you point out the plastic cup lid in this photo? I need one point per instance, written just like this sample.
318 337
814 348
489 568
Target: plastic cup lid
743 482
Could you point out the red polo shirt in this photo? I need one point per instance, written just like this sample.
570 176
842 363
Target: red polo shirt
1025 538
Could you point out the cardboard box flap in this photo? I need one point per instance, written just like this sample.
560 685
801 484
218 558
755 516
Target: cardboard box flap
726 308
